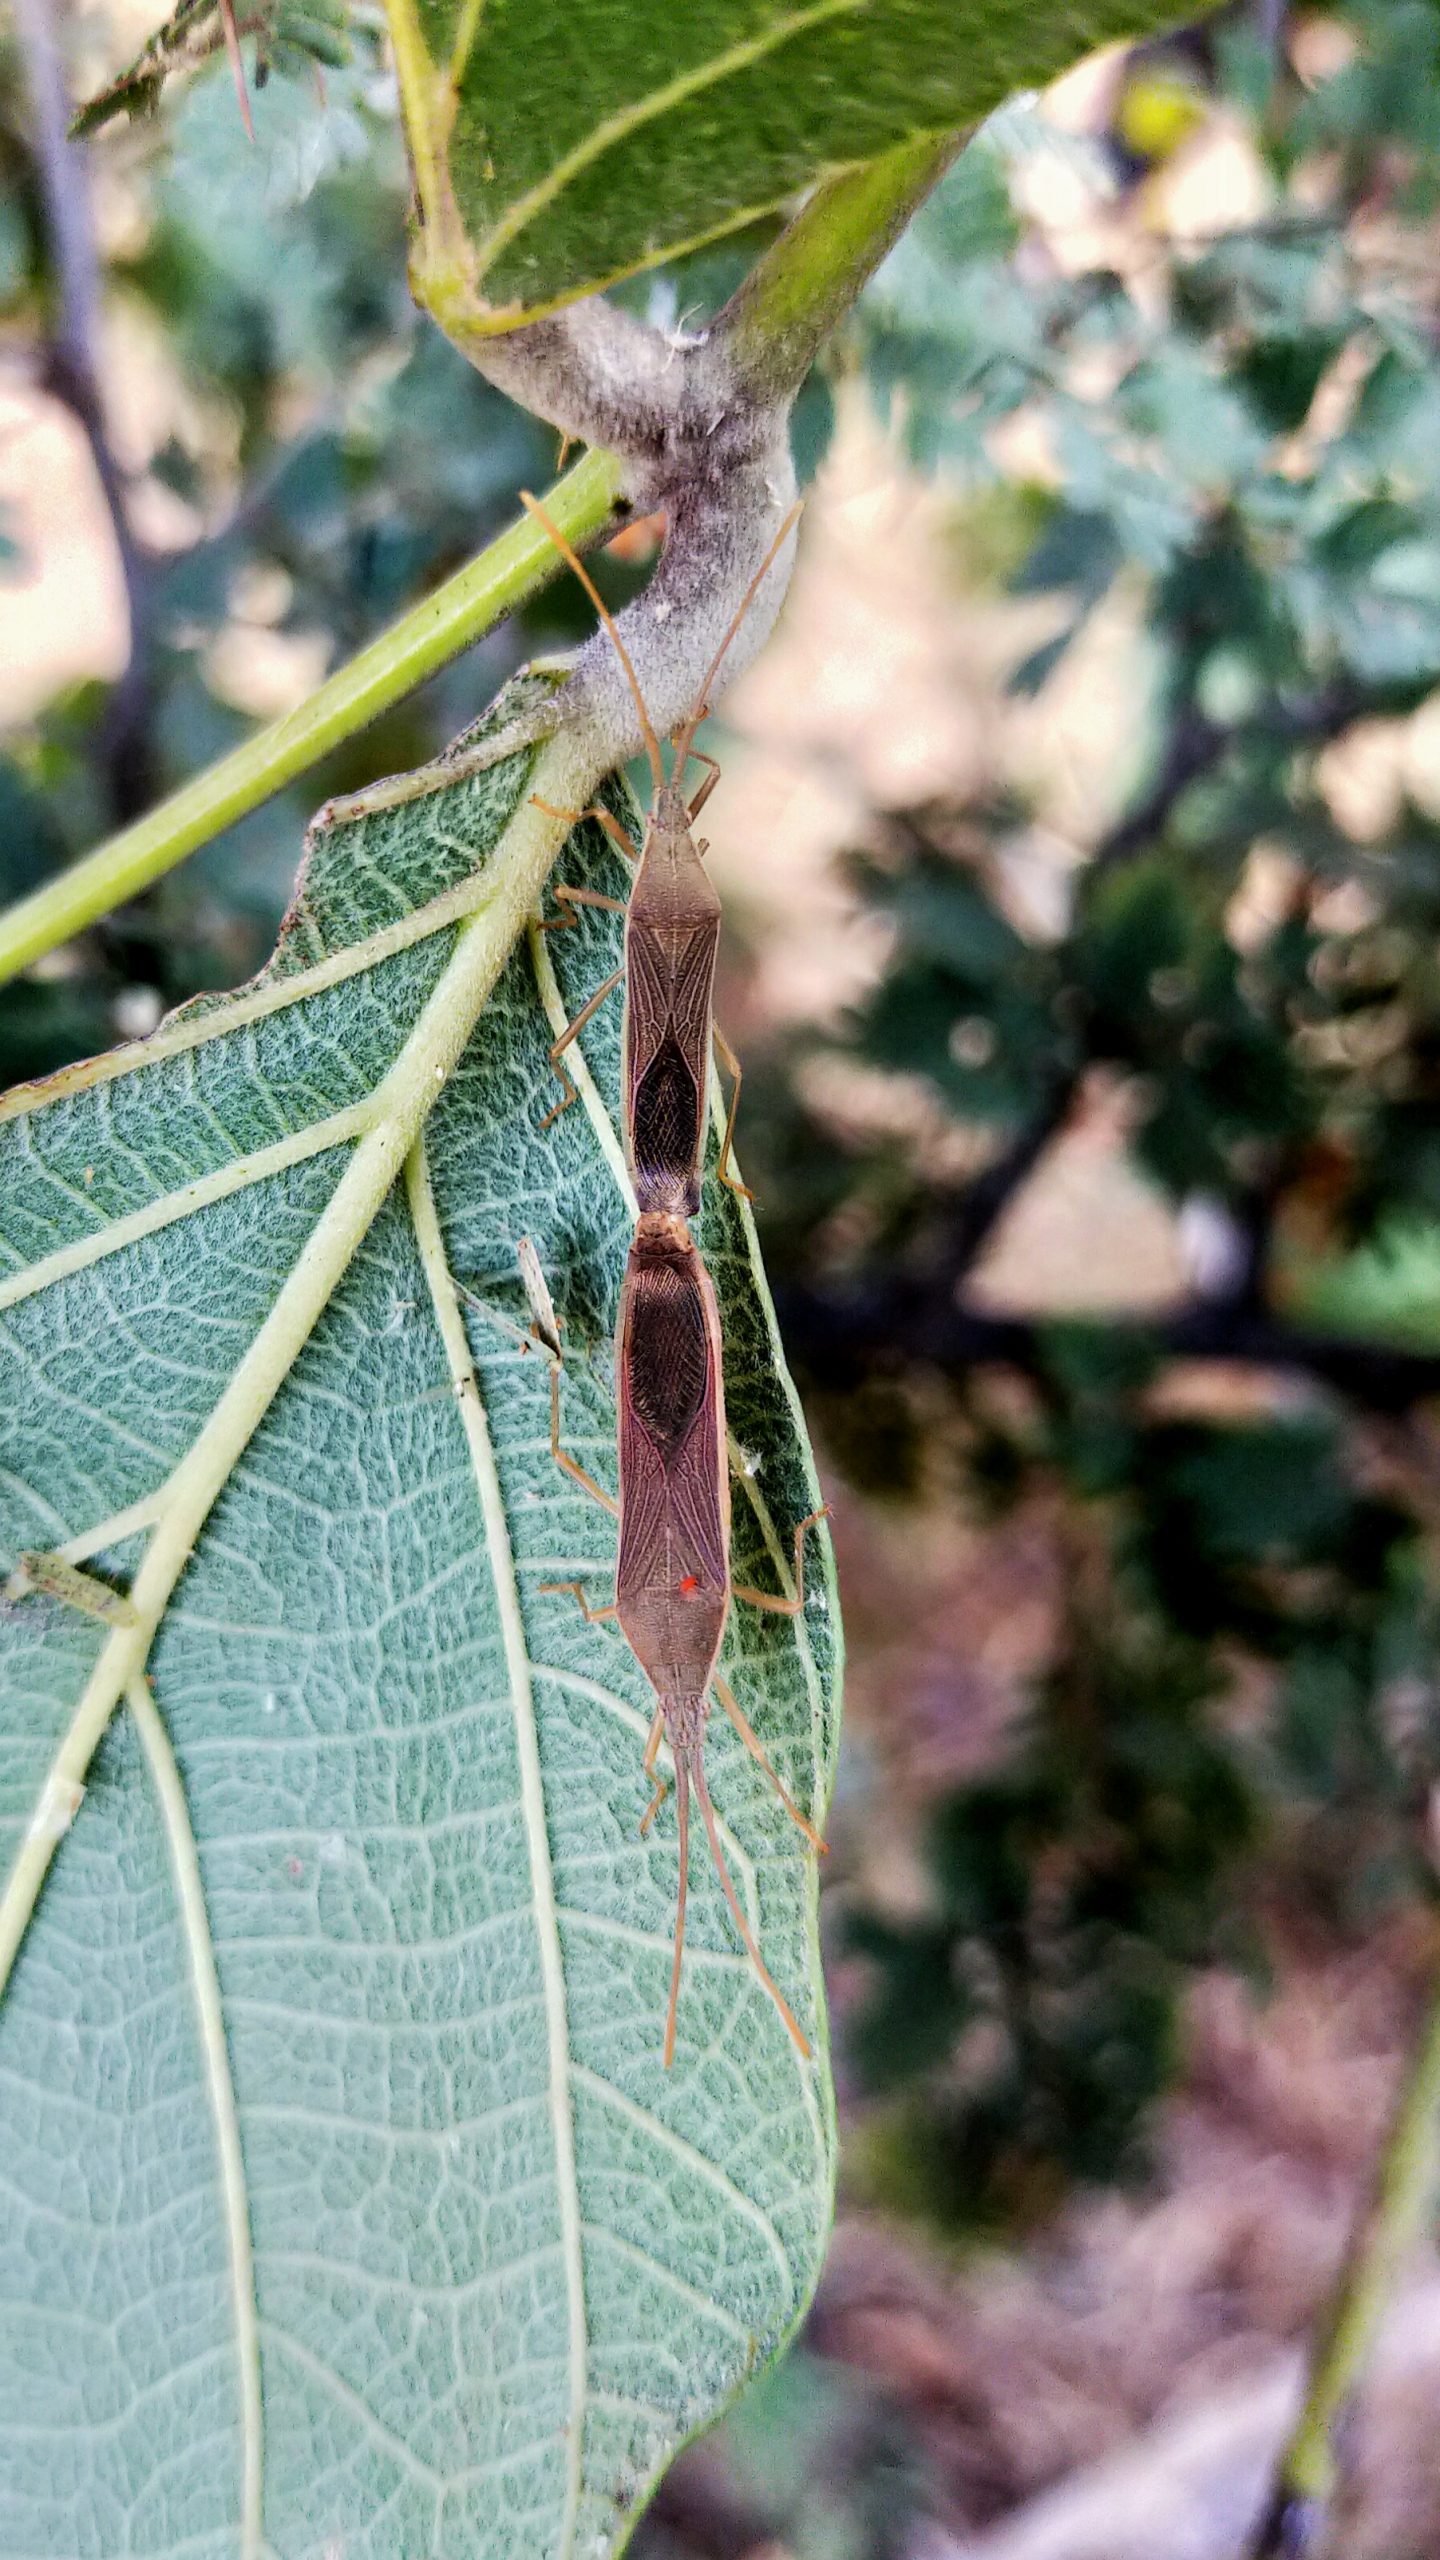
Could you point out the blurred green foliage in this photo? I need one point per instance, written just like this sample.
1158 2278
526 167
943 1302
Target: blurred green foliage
1242 433
1023 2025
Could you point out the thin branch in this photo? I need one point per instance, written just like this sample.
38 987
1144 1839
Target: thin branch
188 36
1197 745
72 374
960 1233
837 1335
1386 2233
967 1228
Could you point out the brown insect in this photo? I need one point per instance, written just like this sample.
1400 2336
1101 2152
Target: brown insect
672 1580
672 1575
672 938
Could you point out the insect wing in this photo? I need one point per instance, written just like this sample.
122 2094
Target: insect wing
672 1576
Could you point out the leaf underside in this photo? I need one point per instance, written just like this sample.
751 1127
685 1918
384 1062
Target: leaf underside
592 140
502 2262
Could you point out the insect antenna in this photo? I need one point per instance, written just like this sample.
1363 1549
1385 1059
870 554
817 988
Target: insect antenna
685 738
682 1815
707 1813
573 561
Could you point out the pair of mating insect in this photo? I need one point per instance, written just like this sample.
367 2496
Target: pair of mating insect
672 1581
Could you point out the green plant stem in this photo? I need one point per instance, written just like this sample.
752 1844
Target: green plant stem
459 612
806 281
1402 2196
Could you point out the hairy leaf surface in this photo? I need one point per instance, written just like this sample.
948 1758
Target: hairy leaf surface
593 138
345 2203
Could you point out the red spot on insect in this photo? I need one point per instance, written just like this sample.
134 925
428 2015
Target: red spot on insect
691 1582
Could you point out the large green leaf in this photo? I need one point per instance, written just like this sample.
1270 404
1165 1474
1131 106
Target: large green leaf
593 138
345 2205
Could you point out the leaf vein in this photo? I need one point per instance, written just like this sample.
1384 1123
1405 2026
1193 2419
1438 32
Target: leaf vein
210 2019
226 1179
652 2266
655 2130
507 1594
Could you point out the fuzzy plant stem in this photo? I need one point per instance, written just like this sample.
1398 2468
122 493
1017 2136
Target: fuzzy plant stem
700 420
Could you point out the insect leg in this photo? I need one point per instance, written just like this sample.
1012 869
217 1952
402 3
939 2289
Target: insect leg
526 1336
756 1749
543 1331
575 1471
707 1812
652 1746
731 1065
572 1090
706 787
570 898
775 1601
682 1809
592 1616
605 818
